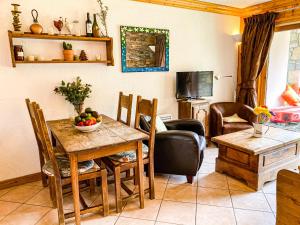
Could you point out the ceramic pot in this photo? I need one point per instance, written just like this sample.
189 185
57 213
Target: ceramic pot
68 55
259 129
36 28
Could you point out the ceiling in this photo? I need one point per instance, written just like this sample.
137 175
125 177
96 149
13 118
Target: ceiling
237 3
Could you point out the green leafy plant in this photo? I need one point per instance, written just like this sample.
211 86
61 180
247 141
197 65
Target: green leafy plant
75 92
103 15
67 46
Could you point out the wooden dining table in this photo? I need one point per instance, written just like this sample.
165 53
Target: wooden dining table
112 137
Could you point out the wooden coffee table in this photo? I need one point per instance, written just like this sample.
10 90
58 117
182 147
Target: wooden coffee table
257 160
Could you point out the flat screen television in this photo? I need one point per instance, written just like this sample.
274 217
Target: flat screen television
194 84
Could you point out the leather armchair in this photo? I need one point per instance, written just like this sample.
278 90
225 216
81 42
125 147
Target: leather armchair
223 109
180 150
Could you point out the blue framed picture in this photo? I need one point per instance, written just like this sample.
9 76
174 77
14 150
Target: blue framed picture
144 49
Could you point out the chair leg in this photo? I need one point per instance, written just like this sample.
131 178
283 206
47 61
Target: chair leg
92 186
52 191
190 179
117 173
59 201
45 179
104 192
151 180
128 173
135 176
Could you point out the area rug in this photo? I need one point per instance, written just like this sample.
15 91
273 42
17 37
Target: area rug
287 126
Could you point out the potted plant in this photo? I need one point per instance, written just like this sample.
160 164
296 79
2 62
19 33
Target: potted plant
68 52
75 93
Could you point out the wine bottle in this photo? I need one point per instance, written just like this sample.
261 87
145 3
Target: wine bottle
89 26
96 30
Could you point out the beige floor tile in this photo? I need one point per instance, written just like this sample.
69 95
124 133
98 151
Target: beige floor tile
160 189
210 155
4 191
237 185
177 212
7 207
207 168
181 193
1 217
162 223
131 221
270 187
51 218
162 178
213 180
272 201
92 219
179 179
26 215
247 217
132 209
212 196
42 198
21 193
213 215
249 200
36 183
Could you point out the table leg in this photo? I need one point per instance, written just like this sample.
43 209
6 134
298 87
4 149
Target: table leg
140 168
75 186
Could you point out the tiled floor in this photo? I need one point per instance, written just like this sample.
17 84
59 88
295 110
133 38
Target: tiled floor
213 199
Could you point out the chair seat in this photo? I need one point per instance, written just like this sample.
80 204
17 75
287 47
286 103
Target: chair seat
129 156
64 166
234 127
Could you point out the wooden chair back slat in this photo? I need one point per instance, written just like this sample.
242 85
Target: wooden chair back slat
43 135
125 101
31 106
147 108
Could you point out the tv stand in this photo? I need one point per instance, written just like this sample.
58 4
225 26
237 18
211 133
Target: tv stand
195 109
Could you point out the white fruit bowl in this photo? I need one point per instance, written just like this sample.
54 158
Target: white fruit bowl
87 129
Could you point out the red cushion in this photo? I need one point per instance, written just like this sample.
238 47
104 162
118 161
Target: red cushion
296 88
290 96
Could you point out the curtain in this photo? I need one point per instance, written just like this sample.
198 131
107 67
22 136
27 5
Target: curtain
160 51
257 39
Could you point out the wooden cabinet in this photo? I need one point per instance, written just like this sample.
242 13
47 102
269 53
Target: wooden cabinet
195 109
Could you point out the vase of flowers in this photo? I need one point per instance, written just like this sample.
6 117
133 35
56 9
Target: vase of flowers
74 92
263 116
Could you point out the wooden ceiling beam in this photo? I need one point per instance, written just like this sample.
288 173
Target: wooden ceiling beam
280 6
198 6
289 10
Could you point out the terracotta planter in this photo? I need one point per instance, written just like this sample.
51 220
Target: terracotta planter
68 55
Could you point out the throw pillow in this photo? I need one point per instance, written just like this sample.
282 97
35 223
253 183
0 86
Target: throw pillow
159 125
234 119
290 96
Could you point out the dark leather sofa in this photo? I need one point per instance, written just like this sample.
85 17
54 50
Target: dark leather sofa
180 150
223 109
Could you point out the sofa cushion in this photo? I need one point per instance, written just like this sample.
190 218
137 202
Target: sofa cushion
159 124
234 127
290 96
234 119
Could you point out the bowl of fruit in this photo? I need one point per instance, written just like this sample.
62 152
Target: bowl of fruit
88 121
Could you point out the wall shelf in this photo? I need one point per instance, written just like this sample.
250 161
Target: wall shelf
107 40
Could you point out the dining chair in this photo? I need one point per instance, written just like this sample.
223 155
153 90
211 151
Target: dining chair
127 160
41 155
125 101
57 168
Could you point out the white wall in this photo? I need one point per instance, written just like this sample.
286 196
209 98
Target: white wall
278 68
198 41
